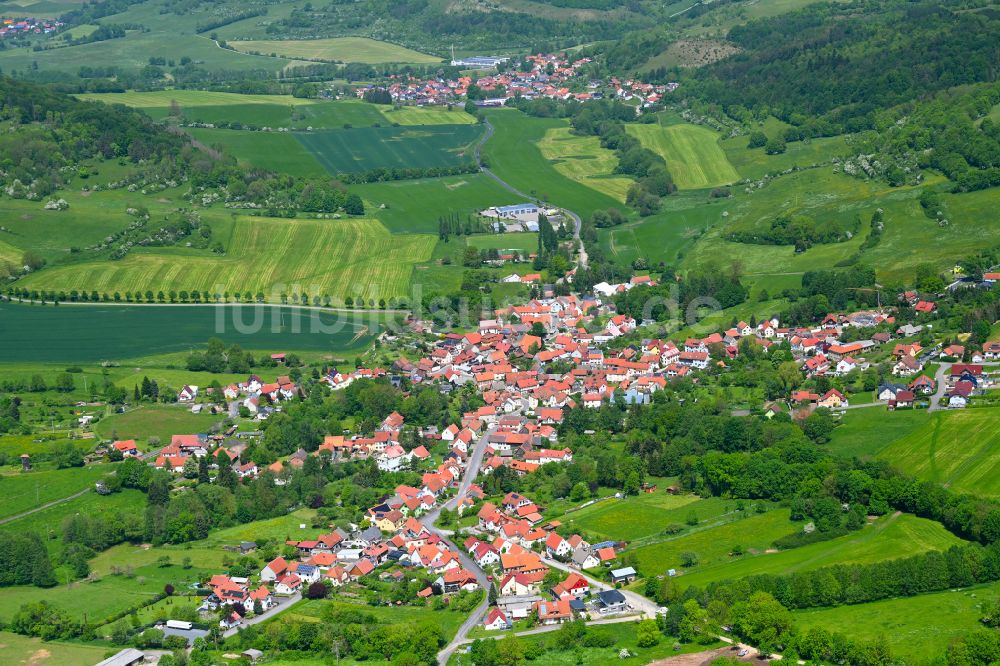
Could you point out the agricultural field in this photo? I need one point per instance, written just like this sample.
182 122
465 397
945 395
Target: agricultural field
890 537
160 421
914 627
416 206
16 650
312 610
514 155
425 115
279 152
337 49
71 334
692 152
523 242
23 491
192 98
581 158
340 258
960 449
365 148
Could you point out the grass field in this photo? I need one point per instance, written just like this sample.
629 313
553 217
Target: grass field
683 217
867 432
960 449
525 242
755 163
348 257
160 421
415 206
23 491
338 49
915 627
431 115
581 158
692 153
195 98
364 148
279 152
632 518
16 650
80 334
890 537
713 540
513 154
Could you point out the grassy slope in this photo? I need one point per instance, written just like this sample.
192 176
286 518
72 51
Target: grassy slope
348 257
513 154
692 153
581 158
338 49
634 517
23 491
267 150
959 449
867 432
915 627
889 538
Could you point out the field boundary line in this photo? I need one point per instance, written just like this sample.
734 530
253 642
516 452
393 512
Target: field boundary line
47 505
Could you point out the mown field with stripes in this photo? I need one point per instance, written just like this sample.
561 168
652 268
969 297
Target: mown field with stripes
339 258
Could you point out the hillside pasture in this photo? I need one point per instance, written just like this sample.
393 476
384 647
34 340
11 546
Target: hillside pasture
713 540
692 153
337 49
514 155
348 257
581 158
754 163
890 537
23 491
914 627
868 432
415 206
633 517
960 449
365 148
79 334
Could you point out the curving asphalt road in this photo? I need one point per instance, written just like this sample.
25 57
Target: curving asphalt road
577 222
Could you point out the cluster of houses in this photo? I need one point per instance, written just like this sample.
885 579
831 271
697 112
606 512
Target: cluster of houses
549 76
513 546
15 27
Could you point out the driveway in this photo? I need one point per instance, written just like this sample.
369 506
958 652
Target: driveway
284 603
636 601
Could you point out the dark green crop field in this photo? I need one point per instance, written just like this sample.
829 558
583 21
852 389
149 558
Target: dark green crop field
79 333
364 148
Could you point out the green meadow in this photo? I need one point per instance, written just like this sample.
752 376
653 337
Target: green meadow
416 206
17 650
582 159
914 627
337 49
160 421
514 155
692 153
868 432
960 449
890 537
23 491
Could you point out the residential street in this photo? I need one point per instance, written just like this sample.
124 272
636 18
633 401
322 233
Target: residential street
287 602
471 472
